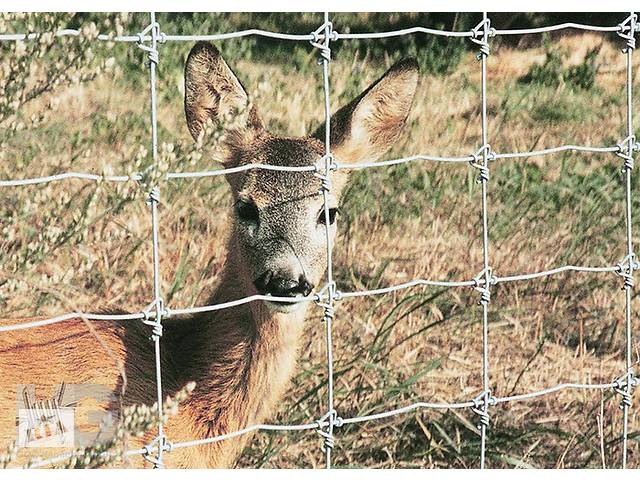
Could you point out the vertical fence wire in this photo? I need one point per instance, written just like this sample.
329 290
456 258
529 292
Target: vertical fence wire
325 58
154 199
485 150
628 284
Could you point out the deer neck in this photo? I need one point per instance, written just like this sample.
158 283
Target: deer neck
241 359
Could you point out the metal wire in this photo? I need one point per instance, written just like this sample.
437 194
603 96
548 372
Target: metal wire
355 420
154 200
148 41
628 284
307 168
318 298
325 58
310 37
480 161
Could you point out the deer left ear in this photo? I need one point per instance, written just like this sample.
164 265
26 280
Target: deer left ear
366 128
212 91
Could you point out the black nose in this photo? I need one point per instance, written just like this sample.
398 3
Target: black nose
278 286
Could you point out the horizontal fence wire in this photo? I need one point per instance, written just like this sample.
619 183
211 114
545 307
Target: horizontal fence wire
164 37
151 37
338 296
351 420
136 177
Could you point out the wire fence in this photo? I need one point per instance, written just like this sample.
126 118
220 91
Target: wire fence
151 38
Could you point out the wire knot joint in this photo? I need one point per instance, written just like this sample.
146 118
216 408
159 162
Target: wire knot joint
328 420
626 268
480 35
480 160
627 31
322 170
624 386
325 298
153 319
625 151
156 36
157 445
320 39
482 282
480 406
154 196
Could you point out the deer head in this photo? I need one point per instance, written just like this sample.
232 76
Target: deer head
279 227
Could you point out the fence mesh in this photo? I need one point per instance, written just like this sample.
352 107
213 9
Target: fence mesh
149 41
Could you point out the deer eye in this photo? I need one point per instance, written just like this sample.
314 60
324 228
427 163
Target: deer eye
247 211
332 216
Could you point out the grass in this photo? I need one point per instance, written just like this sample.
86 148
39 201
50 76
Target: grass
419 220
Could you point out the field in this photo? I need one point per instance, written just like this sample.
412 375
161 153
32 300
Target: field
76 244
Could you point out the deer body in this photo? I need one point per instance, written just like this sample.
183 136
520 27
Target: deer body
241 358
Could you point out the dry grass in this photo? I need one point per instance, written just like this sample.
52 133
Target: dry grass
400 223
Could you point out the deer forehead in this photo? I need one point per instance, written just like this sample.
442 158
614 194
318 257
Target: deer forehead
273 187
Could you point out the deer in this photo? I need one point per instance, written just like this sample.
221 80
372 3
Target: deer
241 358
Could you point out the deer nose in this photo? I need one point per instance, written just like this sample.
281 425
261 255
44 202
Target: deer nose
279 286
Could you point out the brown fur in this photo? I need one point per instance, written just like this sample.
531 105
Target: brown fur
241 358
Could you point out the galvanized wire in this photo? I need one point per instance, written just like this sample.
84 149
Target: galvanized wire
339 295
308 168
154 200
628 274
149 39
483 42
164 37
354 420
328 305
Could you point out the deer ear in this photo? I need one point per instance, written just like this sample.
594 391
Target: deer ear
367 127
213 92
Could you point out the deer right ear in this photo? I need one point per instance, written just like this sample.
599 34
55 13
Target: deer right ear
213 92
367 127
